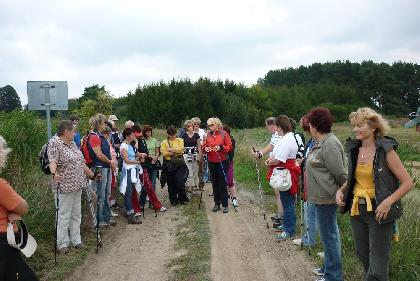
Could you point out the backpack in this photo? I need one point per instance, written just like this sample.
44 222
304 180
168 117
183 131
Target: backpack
85 148
43 159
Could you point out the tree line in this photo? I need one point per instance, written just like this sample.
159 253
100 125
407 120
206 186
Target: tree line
341 86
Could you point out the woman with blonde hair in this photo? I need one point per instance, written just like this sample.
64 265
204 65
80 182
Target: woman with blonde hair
217 145
377 180
191 155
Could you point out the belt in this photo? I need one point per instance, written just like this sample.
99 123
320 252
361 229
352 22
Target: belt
362 201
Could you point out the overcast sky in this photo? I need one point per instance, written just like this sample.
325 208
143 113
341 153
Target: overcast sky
121 44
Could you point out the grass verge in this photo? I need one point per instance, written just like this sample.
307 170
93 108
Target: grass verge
193 244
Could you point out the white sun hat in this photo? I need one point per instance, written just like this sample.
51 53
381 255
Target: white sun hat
26 244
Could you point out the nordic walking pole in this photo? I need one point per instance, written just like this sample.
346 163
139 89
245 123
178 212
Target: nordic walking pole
260 187
223 171
56 222
97 171
301 217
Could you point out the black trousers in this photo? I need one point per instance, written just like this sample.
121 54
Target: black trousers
12 265
218 181
176 186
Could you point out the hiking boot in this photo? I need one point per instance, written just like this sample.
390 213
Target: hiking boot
278 227
80 246
235 202
103 224
318 272
216 208
134 220
112 222
63 251
283 236
225 210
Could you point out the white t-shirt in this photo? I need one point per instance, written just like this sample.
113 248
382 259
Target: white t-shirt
201 133
273 141
286 148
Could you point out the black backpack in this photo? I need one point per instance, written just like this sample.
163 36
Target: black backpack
43 159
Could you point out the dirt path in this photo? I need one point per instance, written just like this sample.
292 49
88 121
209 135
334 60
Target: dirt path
244 249
134 252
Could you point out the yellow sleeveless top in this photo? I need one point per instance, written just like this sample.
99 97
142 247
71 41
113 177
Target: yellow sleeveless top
364 188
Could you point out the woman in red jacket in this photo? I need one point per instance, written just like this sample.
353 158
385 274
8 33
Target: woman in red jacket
217 145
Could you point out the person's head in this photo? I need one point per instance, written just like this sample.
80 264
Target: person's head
226 128
196 123
128 135
214 124
147 131
283 124
368 123
75 119
129 124
188 125
4 150
98 122
270 125
112 118
137 131
171 131
66 130
320 121
107 132
304 123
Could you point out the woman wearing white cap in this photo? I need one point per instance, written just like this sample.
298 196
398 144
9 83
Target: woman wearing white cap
12 207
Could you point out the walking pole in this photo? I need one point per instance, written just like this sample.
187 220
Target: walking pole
56 222
201 198
224 174
260 187
97 171
92 211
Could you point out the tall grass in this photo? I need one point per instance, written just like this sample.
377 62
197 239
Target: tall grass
405 256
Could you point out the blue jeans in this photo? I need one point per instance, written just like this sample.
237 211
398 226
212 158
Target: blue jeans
128 192
309 238
288 202
326 216
103 192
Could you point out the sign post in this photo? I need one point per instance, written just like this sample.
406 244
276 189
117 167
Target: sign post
47 95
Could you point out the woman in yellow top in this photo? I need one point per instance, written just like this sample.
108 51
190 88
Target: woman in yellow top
173 161
377 180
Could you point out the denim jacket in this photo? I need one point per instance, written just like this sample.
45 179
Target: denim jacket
384 180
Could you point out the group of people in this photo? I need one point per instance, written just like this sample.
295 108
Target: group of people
369 180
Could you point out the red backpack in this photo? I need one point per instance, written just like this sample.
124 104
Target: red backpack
85 148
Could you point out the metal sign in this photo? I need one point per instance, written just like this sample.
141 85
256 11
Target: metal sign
38 92
47 95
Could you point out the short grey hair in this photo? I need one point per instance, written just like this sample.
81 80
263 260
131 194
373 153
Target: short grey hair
4 150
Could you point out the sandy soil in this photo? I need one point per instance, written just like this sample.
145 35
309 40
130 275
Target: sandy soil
244 249
134 252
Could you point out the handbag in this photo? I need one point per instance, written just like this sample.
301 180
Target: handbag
281 179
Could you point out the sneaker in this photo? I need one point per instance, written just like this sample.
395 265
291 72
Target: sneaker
132 219
278 227
297 241
235 202
138 214
163 209
320 254
114 214
112 222
283 236
63 251
321 279
103 224
318 272
225 210
80 246
216 208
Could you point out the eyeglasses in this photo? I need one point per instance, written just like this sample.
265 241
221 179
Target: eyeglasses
211 125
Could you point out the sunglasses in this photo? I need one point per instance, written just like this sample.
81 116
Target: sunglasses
211 125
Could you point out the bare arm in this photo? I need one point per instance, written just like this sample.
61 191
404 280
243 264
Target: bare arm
124 155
